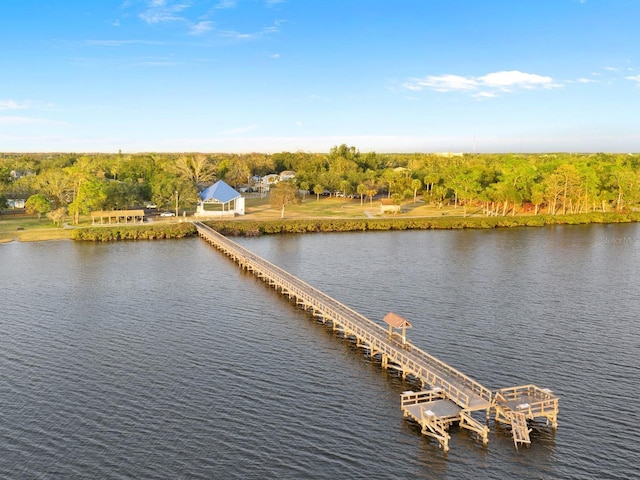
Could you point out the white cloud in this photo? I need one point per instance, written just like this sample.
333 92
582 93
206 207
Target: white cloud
222 4
158 63
585 80
160 11
249 36
481 95
14 120
634 78
181 12
515 79
12 105
485 86
200 27
121 43
443 83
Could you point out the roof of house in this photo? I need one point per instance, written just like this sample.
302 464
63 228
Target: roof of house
220 192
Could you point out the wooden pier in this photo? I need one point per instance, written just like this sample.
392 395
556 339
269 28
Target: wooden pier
452 396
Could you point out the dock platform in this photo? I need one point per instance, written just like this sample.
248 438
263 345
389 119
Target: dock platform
451 397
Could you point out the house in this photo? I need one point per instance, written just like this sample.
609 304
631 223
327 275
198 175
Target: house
268 180
16 202
16 174
220 200
287 175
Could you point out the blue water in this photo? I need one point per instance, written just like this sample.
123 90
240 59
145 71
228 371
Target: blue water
164 360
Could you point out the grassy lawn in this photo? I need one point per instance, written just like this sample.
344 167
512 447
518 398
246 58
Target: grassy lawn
29 229
332 207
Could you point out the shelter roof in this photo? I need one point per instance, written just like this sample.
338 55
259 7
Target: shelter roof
220 192
397 321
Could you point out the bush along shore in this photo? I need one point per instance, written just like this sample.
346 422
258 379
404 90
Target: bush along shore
251 228
137 232
267 227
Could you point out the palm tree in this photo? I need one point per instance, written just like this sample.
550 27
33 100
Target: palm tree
415 184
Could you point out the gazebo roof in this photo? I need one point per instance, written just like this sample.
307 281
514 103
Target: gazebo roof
220 192
397 321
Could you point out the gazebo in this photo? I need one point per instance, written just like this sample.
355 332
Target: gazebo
222 195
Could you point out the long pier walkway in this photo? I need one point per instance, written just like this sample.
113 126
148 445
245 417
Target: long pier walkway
452 396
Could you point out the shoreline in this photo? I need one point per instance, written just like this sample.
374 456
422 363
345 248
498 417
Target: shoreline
258 227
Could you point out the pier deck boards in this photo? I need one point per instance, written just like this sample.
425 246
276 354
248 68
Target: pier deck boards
453 395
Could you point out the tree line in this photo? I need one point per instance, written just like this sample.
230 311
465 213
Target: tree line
498 184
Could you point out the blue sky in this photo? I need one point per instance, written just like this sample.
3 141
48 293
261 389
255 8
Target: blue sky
287 75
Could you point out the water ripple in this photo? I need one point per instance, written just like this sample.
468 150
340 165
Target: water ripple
163 360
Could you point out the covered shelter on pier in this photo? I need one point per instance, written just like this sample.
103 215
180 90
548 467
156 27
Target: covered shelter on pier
396 321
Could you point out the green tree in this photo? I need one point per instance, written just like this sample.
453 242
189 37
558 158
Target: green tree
282 194
392 178
361 189
537 196
91 195
304 188
465 186
517 176
569 179
124 194
416 184
164 187
237 172
624 182
57 215
371 191
345 187
198 169
57 185
431 180
552 185
318 189
39 204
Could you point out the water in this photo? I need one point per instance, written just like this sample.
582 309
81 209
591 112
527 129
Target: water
164 360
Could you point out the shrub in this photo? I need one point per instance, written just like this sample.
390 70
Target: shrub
271 227
138 232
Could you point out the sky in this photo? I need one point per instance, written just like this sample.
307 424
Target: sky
385 76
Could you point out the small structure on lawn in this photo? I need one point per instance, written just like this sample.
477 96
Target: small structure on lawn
117 216
387 205
220 200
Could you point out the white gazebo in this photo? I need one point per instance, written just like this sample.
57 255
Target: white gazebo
220 200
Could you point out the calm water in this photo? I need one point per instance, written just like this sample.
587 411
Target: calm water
164 360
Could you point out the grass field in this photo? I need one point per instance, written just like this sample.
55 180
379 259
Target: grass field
30 229
332 207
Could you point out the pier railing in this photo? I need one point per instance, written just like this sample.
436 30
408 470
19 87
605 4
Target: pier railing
458 387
